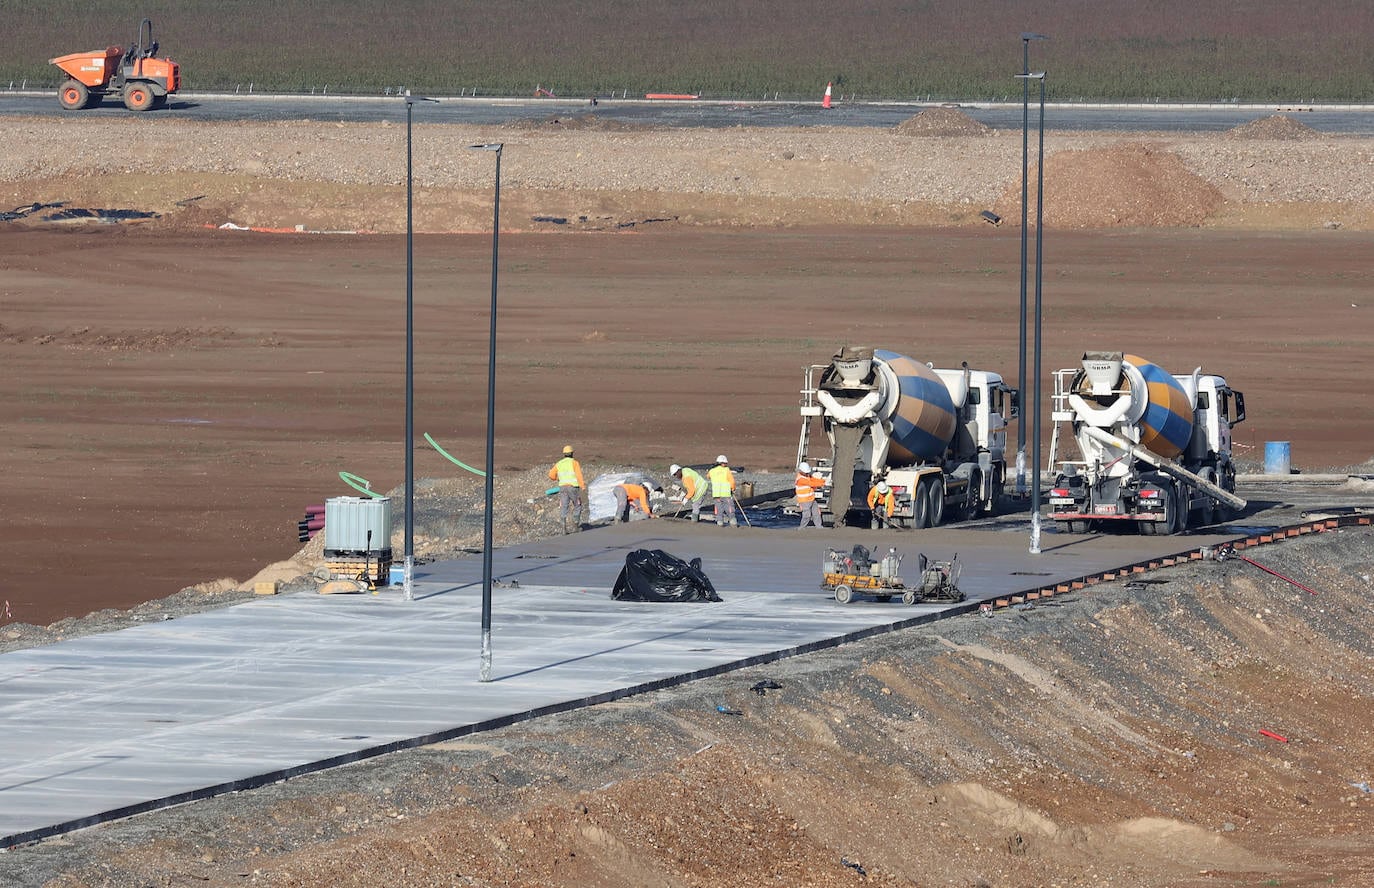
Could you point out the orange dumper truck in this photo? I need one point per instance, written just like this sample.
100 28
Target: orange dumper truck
141 79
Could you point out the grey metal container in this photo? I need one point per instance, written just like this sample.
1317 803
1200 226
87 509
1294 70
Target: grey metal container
354 524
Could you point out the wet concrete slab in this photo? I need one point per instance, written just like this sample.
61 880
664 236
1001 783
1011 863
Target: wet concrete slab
111 725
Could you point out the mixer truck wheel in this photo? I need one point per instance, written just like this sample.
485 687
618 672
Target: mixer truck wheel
920 505
937 502
1177 513
995 490
1207 513
73 95
968 509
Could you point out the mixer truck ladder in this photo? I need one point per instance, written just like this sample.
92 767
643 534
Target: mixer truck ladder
1059 413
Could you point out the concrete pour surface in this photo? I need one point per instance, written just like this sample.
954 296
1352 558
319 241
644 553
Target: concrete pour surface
105 726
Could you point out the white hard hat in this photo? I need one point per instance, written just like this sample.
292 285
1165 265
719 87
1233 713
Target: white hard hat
804 468
722 460
674 469
882 487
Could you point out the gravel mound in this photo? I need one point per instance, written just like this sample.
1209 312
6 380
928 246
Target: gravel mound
1124 186
1277 126
942 122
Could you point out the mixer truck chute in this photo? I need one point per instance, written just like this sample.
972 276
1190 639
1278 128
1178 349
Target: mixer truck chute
937 437
1155 449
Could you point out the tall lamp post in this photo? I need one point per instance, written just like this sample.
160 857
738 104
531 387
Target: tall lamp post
410 354
1039 277
1026 38
485 673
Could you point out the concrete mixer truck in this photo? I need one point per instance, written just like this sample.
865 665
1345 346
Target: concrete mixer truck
1155 449
937 437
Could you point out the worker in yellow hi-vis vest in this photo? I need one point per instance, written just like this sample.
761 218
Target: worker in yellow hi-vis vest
723 491
567 472
693 485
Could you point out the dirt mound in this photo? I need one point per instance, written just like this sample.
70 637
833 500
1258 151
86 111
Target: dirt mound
1276 126
942 122
1124 186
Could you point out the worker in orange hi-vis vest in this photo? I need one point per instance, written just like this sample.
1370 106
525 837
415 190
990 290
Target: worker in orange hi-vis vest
882 501
567 472
807 485
693 484
633 496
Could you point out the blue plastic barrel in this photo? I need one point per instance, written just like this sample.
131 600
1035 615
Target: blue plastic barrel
1276 458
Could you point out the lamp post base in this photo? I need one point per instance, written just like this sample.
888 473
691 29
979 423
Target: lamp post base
485 673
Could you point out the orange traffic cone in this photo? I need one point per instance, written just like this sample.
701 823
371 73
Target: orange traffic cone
825 103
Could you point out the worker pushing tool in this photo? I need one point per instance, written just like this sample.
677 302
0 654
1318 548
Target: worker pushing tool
883 502
693 485
633 496
568 473
723 491
807 485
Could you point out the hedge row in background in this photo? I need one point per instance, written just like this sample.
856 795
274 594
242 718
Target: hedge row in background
1260 50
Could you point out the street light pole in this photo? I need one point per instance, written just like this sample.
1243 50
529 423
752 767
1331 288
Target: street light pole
1039 255
485 671
1026 38
409 583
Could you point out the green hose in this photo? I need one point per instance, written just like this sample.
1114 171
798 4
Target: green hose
362 485
457 462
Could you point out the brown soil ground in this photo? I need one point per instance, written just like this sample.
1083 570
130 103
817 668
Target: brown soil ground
175 399
174 396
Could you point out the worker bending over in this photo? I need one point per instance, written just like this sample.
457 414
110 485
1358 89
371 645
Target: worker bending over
633 496
723 491
568 473
807 485
883 503
693 484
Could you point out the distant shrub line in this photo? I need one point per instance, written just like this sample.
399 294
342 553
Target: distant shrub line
732 49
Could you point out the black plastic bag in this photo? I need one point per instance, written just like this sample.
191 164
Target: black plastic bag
654 575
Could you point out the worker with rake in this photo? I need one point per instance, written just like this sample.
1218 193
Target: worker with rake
723 491
693 484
